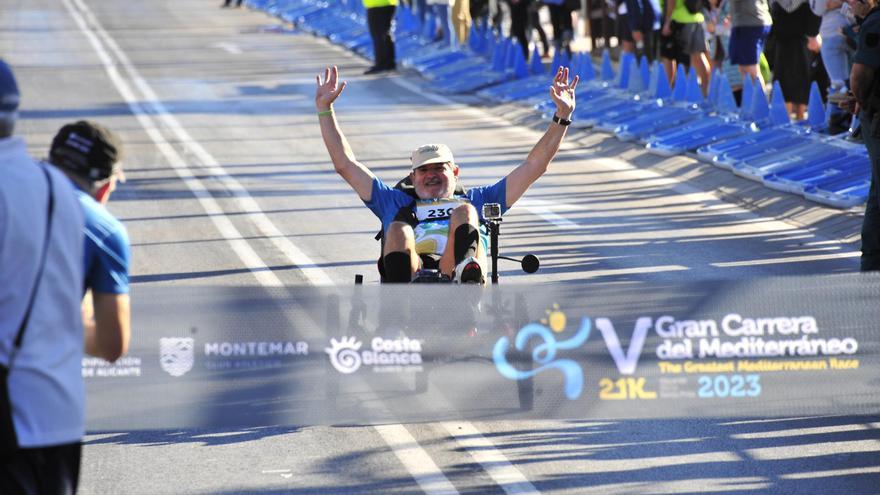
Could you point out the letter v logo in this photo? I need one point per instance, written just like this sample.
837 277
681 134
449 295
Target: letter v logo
626 364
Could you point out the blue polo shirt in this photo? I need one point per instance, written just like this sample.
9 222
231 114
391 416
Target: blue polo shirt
107 249
45 382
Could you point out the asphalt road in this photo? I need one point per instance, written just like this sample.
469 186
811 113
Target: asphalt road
228 184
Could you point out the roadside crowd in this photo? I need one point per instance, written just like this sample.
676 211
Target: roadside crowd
795 42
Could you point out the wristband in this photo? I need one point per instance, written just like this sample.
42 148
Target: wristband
325 112
559 120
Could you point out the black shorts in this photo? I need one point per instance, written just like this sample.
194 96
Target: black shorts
670 48
430 261
624 33
42 470
691 38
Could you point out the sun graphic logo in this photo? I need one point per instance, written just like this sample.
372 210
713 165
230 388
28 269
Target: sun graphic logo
344 355
555 319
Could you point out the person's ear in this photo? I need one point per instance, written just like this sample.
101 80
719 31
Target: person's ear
455 170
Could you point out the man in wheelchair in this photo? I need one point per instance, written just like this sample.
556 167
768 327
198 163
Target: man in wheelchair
437 224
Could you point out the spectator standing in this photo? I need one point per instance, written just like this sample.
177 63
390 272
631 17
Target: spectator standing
686 29
750 24
519 21
622 29
380 13
535 23
794 32
866 89
88 154
835 52
644 20
441 13
461 20
560 19
42 404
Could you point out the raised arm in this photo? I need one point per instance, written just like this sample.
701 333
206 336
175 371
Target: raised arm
522 177
355 173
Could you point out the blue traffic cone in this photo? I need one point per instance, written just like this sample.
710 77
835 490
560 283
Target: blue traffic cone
694 93
510 56
760 107
520 67
474 39
679 89
535 65
565 60
636 83
623 71
661 84
499 55
557 60
489 48
816 116
645 71
712 96
607 71
725 102
488 38
778 112
587 71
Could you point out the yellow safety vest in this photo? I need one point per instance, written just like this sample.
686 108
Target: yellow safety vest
379 3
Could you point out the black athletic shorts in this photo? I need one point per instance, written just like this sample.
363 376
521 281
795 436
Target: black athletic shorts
52 470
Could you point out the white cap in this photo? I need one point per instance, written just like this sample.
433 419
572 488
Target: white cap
431 153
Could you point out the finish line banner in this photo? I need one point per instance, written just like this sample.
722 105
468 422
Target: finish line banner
239 357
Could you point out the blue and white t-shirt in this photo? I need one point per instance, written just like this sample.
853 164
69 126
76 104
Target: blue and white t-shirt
107 249
431 235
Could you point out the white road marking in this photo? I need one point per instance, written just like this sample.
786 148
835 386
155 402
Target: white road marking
227 47
420 465
544 209
505 474
788 259
313 273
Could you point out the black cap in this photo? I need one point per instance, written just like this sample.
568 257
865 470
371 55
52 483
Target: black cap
9 96
87 149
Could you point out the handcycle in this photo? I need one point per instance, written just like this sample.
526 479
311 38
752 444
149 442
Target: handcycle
501 317
490 219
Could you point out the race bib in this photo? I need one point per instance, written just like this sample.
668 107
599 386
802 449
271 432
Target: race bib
437 209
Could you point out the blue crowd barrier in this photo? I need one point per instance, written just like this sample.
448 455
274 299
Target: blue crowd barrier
679 109
755 140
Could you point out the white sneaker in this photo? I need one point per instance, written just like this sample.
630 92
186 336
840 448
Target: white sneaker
469 271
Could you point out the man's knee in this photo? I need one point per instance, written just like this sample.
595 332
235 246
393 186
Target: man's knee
465 214
398 236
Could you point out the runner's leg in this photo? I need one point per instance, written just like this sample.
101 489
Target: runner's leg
464 216
399 254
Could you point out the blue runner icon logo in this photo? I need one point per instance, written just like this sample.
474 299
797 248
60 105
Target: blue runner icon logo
544 354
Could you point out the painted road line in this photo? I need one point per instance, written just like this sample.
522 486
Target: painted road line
544 209
243 199
227 47
425 472
505 474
